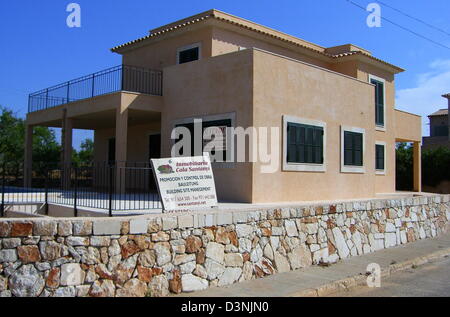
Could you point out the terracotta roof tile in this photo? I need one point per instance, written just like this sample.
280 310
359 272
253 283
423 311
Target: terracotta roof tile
224 17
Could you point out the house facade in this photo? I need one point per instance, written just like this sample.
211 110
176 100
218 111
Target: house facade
333 107
439 129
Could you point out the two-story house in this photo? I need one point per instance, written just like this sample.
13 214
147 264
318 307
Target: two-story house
439 129
334 107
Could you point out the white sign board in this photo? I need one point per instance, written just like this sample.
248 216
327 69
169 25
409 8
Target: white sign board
185 182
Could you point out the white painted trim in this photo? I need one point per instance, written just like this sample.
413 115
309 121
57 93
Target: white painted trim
381 172
304 167
379 127
353 169
187 47
231 155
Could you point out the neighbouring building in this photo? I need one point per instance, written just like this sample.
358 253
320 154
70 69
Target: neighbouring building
439 129
334 106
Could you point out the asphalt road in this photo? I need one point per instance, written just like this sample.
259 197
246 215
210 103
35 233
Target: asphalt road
429 280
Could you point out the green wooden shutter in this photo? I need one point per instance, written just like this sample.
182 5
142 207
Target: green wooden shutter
358 149
304 144
348 148
291 143
353 148
379 102
379 157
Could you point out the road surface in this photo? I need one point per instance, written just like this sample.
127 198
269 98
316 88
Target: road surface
429 280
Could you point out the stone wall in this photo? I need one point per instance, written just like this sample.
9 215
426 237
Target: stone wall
160 254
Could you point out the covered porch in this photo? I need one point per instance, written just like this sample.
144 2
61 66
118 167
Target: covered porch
408 129
126 128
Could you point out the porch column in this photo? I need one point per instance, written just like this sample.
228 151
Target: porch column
417 166
66 139
121 147
28 162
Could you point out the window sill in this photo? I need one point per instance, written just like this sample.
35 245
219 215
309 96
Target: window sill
380 128
301 167
380 172
353 169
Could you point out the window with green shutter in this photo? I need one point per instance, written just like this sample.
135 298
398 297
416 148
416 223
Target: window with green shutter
304 143
379 101
379 157
353 148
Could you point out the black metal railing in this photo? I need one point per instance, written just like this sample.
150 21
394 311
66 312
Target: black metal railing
112 187
119 78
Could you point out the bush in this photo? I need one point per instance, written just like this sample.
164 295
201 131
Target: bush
435 166
404 167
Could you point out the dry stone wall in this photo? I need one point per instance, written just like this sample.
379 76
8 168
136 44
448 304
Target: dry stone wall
174 253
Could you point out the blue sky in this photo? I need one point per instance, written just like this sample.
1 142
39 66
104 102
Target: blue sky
38 50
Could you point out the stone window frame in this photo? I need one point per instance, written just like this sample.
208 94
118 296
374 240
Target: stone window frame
304 167
348 168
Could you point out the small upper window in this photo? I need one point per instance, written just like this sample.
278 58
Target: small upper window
188 54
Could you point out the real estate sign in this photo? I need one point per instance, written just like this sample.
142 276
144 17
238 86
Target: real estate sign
185 182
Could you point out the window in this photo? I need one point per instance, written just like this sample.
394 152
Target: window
188 54
220 145
379 100
304 145
380 157
352 150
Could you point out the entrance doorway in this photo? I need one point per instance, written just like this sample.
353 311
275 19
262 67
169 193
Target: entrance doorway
154 152
112 150
154 146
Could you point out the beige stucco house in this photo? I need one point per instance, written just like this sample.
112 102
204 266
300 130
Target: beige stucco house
334 107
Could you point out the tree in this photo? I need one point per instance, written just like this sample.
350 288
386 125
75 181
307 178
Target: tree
86 153
435 166
12 131
46 149
404 167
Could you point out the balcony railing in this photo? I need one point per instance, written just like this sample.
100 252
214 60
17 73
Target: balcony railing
119 78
